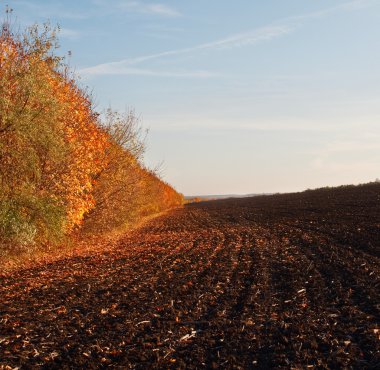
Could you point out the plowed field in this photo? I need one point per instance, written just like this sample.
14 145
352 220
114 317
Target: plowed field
283 281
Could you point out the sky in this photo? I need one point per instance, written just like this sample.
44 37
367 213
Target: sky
243 96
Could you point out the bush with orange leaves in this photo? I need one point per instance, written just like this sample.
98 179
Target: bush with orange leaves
50 142
57 162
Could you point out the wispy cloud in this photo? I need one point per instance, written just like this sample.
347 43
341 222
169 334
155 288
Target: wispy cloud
134 6
125 70
264 34
357 4
187 121
51 10
348 153
348 6
161 9
55 9
233 41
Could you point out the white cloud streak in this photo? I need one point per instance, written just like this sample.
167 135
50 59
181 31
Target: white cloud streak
125 70
98 7
344 7
349 153
238 40
264 34
162 9
134 6
50 10
188 122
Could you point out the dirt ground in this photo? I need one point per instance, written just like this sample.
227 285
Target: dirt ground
283 281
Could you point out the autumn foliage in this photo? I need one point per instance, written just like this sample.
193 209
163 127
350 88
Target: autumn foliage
62 167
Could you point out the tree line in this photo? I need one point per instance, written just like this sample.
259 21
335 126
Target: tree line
64 168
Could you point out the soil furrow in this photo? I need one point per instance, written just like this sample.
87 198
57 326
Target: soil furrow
283 281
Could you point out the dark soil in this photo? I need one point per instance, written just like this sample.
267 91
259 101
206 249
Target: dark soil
283 281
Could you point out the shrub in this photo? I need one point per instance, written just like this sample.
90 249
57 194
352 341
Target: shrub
58 164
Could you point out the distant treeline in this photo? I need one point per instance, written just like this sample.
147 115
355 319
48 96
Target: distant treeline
63 166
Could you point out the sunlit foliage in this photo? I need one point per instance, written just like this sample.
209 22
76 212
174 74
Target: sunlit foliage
59 164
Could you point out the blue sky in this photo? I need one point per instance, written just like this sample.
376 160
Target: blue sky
243 96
